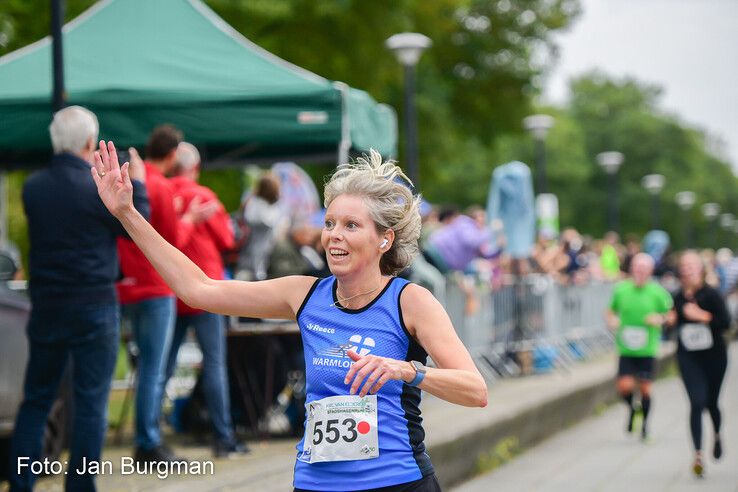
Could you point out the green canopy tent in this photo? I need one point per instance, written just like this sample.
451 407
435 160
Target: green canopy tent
140 63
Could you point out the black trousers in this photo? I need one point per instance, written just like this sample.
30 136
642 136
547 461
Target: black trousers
702 374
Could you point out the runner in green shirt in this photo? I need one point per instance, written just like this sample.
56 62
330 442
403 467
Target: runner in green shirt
636 313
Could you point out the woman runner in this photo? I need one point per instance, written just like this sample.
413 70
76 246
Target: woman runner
701 318
366 333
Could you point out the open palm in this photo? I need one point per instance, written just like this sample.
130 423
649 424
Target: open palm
112 180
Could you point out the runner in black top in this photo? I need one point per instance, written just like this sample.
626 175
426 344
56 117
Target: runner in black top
700 316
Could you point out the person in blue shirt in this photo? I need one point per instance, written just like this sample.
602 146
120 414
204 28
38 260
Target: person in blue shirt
366 333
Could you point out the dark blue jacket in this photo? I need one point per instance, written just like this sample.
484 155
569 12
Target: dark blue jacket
73 255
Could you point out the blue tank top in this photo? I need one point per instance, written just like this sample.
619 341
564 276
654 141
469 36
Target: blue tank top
328 332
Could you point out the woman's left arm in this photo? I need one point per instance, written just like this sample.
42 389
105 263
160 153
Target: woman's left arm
720 317
455 378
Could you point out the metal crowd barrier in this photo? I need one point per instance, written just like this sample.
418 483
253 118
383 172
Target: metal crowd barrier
531 324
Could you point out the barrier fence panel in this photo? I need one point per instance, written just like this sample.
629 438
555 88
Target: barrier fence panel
531 321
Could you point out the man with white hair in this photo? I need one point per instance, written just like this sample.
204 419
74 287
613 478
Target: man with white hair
637 312
205 246
73 266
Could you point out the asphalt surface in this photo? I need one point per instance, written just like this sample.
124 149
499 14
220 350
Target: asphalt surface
598 455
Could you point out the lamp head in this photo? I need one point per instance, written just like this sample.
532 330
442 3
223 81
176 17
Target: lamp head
610 161
726 221
685 199
408 46
653 183
710 210
538 125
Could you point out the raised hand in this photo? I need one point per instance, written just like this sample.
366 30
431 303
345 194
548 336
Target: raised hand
112 180
197 211
137 170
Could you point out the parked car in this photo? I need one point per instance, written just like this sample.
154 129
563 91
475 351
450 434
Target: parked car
15 308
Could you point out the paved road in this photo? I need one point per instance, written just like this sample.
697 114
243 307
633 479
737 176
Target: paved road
597 455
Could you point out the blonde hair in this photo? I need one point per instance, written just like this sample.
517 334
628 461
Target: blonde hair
389 201
700 260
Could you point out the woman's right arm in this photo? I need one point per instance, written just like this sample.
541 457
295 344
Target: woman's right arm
277 298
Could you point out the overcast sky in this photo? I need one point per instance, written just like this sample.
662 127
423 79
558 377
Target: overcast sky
688 47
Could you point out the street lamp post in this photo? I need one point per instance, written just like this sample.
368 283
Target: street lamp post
685 200
711 211
654 183
539 125
726 222
611 161
408 47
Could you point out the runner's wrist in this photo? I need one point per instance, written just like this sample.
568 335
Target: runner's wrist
408 372
127 213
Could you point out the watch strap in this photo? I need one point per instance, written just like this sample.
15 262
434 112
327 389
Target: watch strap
419 376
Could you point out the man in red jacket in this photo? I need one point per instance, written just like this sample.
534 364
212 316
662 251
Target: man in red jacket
147 301
205 247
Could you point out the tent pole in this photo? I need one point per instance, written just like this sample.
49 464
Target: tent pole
344 145
57 20
4 236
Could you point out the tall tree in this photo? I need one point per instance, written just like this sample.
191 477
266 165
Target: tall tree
475 83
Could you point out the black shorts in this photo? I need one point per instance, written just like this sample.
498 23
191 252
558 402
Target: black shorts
426 484
638 367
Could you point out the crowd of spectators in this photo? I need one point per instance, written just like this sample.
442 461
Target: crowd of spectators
273 241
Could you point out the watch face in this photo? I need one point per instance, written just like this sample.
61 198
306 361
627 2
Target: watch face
418 366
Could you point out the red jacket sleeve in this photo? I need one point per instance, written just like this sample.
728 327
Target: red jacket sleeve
220 229
163 216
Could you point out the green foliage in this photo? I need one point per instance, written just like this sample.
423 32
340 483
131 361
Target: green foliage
610 114
474 86
623 115
228 184
17 225
25 21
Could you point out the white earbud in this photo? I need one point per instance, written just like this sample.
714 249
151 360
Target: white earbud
384 243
